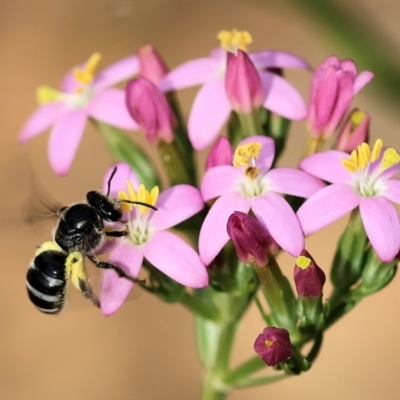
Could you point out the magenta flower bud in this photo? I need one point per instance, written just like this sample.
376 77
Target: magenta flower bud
152 65
251 239
308 277
149 108
355 132
221 153
273 346
242 83
333 87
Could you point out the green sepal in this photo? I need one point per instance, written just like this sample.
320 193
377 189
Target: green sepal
122 148
349 259
311 315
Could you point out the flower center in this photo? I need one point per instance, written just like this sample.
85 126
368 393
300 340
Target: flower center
234 40
253 183
269 343
82 94
366 165
138 224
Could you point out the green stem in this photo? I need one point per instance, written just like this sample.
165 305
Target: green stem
197 306
244 370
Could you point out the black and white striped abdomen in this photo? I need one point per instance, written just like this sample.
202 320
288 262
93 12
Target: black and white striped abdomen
46 281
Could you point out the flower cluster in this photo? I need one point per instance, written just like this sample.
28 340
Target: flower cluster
230 223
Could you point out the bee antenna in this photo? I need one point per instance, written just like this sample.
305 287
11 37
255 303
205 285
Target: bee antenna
139 203
109 181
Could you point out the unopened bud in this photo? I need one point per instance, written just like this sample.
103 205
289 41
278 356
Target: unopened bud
221 153
152 65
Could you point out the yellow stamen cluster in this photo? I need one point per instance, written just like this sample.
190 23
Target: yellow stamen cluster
303 262
269 343
46 94
86 74
245 156
363 156
233 40
142 195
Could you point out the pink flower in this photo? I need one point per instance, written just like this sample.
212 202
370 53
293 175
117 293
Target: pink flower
333 87
242 83
273 346
152 66
150 109
211 107
365 180
221 153
149 239
83 94
250 184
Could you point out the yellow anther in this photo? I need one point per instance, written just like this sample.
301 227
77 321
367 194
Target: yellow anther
303 262
376 150
349 165
85 75
252 172
46 94
246 154
234 40
269 343
390 157
142 195
357 117
363 156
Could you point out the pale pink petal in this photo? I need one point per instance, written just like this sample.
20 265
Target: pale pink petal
109 107
327 166
116 73
64 140
41 119
281 97
191 73
382 226
392 190
115 290
218 180
389 173
213 233
175 205
123 174
68 83
327 206
221 153
362 79
294 182
176 259
281 221
267 152
280 59
210 110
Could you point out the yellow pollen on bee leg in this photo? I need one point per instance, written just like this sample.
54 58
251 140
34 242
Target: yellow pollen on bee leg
303 262
233 40
86 74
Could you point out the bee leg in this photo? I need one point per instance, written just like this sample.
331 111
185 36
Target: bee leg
87 292
116 233
120 272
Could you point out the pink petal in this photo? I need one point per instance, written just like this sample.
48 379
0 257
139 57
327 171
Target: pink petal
294 182
281 59
382 226
41 119
282 98
210 110
69 83
191 73
109 107
123 174
175 205
176 259
116 73
327 206
267 152
218 180
327 166
64 140
392 190
213 233
362 79
221 153
115 290
281 221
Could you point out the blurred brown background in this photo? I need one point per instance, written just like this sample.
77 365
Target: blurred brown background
146 351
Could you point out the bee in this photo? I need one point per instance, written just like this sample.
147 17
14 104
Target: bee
79 232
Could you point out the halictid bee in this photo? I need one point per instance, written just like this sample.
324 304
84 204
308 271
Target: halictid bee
79 232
